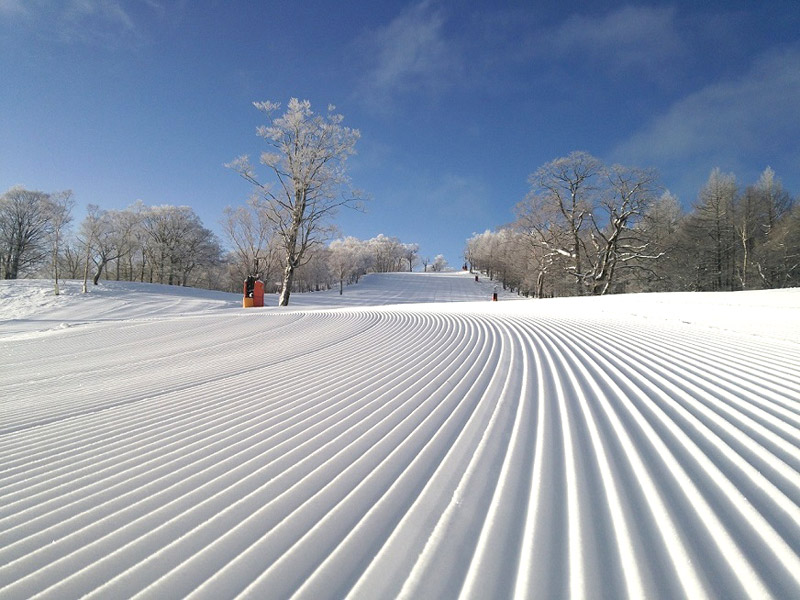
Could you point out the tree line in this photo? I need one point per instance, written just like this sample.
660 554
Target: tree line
586 228
259 249
170 245
155 244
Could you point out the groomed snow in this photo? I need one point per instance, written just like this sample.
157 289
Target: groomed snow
407 439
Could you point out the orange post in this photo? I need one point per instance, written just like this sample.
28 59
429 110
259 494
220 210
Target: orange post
258 293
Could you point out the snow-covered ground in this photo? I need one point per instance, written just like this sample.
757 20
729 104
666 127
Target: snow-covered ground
407 439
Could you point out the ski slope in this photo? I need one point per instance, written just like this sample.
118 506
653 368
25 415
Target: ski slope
407 439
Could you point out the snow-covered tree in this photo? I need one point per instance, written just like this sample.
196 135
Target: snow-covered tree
439 264
660 225
564 189
348 259
582 216
179 243
388 254
709 234
759 218
89 232
252 235
411 255
616 244
59 214
307 159
24 226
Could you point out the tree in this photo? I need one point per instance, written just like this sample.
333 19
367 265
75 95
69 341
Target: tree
565 185
347 259
411 255
767 204
103 238
130 241
660 225
388 254
539 222
90 231
307 160
252 235
710 233
59 210
582 211
616 243
781 252
178 243
24 226
71 263
439 264
109 246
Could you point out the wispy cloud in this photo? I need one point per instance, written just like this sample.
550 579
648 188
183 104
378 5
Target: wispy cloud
108 23
754 115
97 21
410 54
455 195
630 37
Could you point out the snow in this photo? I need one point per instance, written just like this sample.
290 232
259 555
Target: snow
407 439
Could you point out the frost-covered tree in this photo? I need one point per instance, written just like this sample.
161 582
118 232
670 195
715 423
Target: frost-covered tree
709 234
60 215
130 241
252 236
613 229
178 244
100 231
348 259
780 254
314 274
503 256
583 216
759 225
565 186
24 226
307 160
616 242
659 226
388 254
89 232
539 223
439 264
411 255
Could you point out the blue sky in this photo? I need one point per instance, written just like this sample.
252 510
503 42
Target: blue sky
457 102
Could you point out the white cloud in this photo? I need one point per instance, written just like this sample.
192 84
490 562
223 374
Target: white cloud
108 12
630 37
409 54
454 195
108 23
728 123
97 21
